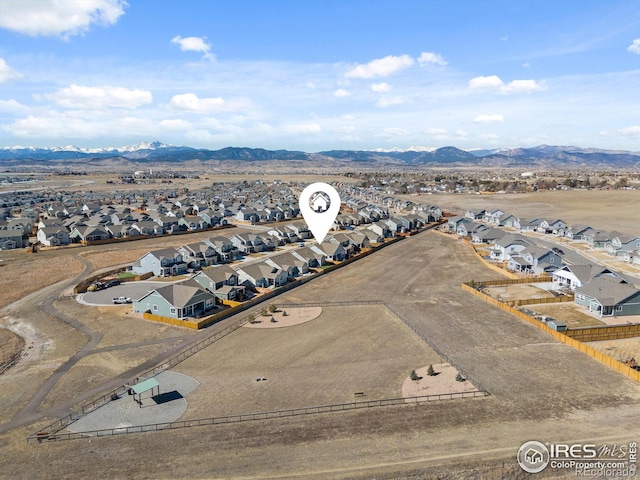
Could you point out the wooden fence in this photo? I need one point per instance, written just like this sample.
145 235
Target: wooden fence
538 301
592 352
604 332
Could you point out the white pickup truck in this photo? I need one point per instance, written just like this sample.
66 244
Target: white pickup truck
119 300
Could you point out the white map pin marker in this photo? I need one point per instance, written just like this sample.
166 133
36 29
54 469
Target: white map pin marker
319 204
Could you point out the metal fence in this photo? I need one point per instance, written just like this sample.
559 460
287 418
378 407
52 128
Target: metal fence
249 417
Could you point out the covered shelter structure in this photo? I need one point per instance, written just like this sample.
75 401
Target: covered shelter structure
144 386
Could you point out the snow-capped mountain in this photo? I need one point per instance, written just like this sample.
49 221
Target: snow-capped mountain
541 156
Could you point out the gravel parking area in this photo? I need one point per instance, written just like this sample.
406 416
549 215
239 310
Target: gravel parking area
135 290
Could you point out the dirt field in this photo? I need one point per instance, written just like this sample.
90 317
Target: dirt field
540 389
601 209
325 361
10 345
22 273
516 292
622 349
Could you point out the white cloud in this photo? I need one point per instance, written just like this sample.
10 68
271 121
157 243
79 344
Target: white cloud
344 129
430 58
74 124
630 132
443 134
389 101
12 106
195 44
436 131
59 17
341 92
495 82
78 96
381 67
394 132
494 118
200 135
635 47
380 87
175 124
191 103
296 128
6 72
492 81
521 86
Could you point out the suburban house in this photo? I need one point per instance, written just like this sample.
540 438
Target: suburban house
609 296
313 258
10 239
164 262
487 235
89 234
251 243
223 247
198 254
577 232
632 256
300 229
222 281
575 276
528 225
261 275
621 244
288 262
333 252
176 301
536 260
53 236
598 239
475 214
507 246
553 226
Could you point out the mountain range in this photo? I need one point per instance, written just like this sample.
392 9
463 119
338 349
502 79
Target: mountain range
157 152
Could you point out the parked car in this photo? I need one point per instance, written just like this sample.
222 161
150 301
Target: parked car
113 283
121 300
557 250
94 287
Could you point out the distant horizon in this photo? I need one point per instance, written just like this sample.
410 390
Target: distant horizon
379 75
414 148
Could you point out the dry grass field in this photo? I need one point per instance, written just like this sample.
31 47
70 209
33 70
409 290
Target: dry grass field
10 345
516 292
325 361
22 273
623 349
602 209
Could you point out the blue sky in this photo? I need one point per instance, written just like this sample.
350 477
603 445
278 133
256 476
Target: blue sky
319 75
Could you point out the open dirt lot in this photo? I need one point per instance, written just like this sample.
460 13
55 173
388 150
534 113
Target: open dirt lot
10 345
622 350
602 209
321 362
516 292
540 389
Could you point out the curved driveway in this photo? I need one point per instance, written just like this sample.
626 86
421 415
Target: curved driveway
135 290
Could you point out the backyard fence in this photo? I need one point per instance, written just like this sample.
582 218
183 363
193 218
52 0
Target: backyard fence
604 332
560 336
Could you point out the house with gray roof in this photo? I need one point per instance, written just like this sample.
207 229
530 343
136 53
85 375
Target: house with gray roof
314 259
622 243
177 301
609 296
505 247
163 262
11 239
576 275
222 281
261 275
53 236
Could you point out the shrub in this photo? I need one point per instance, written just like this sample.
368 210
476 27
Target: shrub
272 308
284 313
430 371
263 312
460 378
414 376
